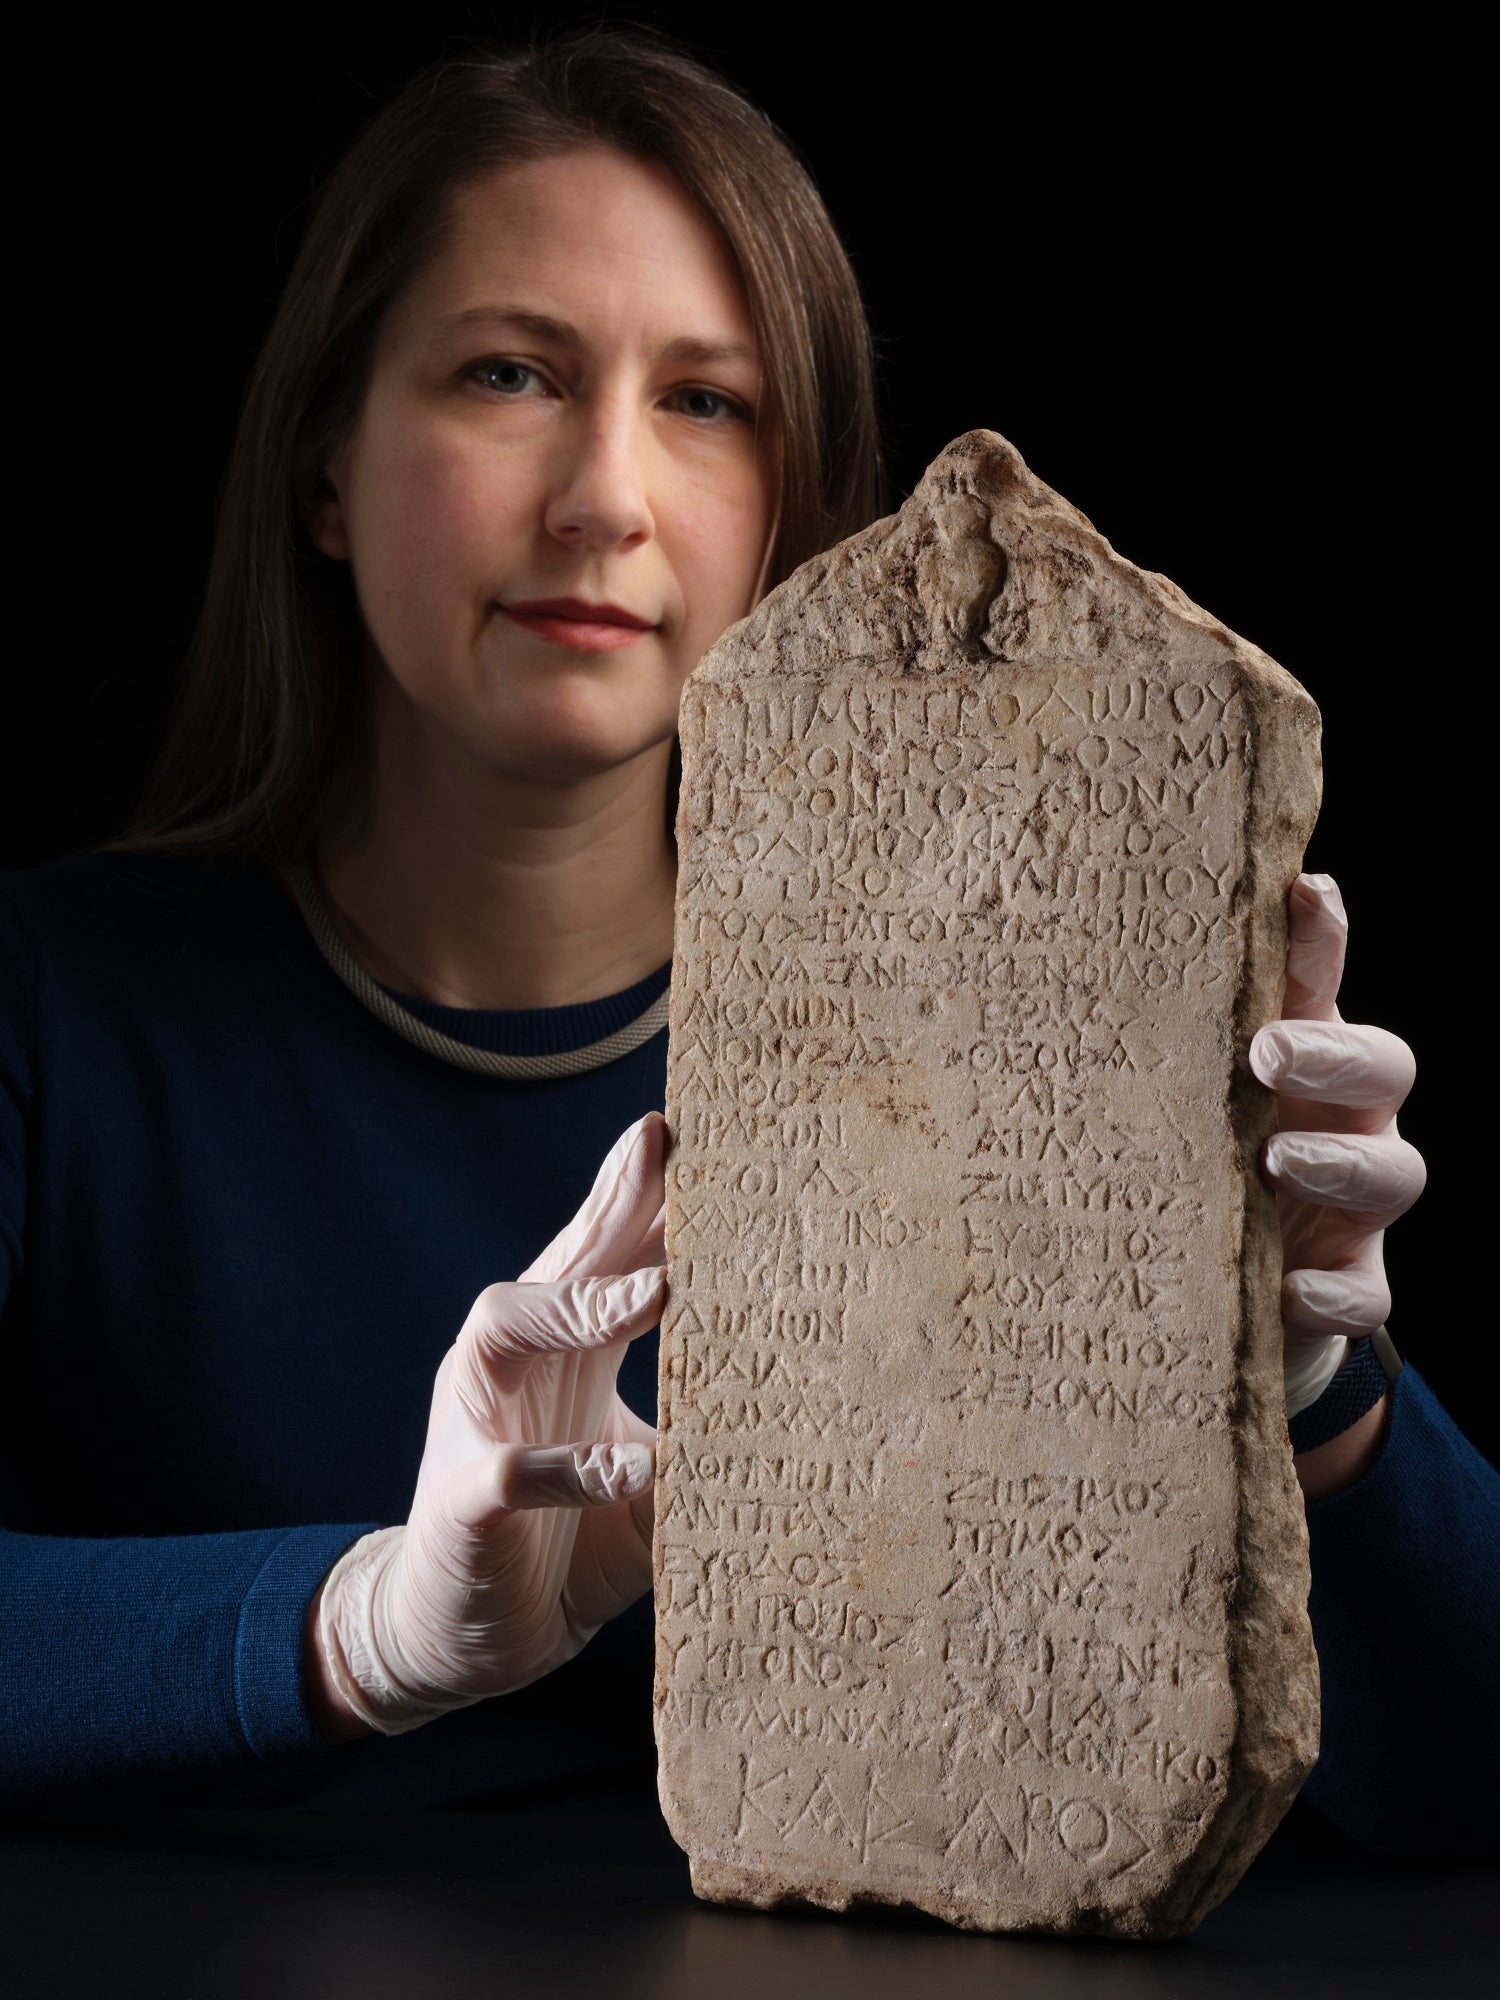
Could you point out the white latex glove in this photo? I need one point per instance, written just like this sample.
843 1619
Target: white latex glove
1341 1172
531 1523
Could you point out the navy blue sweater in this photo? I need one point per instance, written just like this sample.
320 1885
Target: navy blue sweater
241 1221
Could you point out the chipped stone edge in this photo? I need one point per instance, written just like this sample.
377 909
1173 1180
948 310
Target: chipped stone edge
1277 1733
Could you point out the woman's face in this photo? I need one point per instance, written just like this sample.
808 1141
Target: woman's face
554 502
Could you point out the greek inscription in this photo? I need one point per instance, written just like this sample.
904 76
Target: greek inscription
978 1572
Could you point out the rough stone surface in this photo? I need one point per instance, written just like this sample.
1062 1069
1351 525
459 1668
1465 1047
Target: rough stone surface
981 1565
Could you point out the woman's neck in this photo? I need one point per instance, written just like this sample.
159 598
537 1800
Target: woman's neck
459 886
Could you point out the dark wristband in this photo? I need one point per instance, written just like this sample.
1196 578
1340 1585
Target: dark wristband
1358 1387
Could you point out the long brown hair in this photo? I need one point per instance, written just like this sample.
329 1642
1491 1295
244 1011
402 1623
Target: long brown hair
266 726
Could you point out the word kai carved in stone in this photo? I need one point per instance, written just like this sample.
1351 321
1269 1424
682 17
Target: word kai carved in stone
981 1566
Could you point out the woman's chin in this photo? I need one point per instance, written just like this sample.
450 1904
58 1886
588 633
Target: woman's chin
574 754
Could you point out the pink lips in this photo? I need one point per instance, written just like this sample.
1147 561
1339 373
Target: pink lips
571 621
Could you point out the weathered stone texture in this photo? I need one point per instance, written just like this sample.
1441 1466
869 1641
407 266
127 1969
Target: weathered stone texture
981 1564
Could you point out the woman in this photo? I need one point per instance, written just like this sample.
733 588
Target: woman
570 369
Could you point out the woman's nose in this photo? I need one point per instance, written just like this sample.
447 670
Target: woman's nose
599 498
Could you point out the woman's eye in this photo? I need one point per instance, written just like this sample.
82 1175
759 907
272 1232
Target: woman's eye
507 378
707 404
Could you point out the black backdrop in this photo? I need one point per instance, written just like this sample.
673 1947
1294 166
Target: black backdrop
1216 292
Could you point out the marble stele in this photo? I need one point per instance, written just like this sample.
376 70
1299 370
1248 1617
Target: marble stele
981 1566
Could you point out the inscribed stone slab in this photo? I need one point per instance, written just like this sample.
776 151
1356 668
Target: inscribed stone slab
981 1566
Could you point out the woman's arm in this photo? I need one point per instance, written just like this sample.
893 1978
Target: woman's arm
139 1664
1405 1610
1403 1514
133 1663
1329 1468
136 1661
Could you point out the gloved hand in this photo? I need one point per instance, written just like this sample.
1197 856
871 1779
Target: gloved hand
1341 1171
531 1523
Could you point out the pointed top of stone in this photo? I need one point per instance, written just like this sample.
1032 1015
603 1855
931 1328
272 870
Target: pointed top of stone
985 562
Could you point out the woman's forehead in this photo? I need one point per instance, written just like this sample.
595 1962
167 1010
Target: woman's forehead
584 238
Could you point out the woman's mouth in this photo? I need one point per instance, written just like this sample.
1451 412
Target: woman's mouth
572 621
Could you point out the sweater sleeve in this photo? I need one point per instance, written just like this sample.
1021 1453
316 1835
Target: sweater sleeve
1405 1609
129 1664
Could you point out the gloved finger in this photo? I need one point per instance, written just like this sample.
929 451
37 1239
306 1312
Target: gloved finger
611 1560
517 1322
1308 1366
1334 1062
652 1248
1317 933
628 1189
571 1475
1378 1175
626 1426
1354 1302
1323 1238
621 1425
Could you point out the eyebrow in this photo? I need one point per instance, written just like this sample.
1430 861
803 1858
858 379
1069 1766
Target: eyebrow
561 333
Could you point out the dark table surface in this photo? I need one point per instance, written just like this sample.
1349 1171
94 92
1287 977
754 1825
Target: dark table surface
593 1898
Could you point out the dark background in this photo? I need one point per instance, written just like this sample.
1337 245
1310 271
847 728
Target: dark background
1217 291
